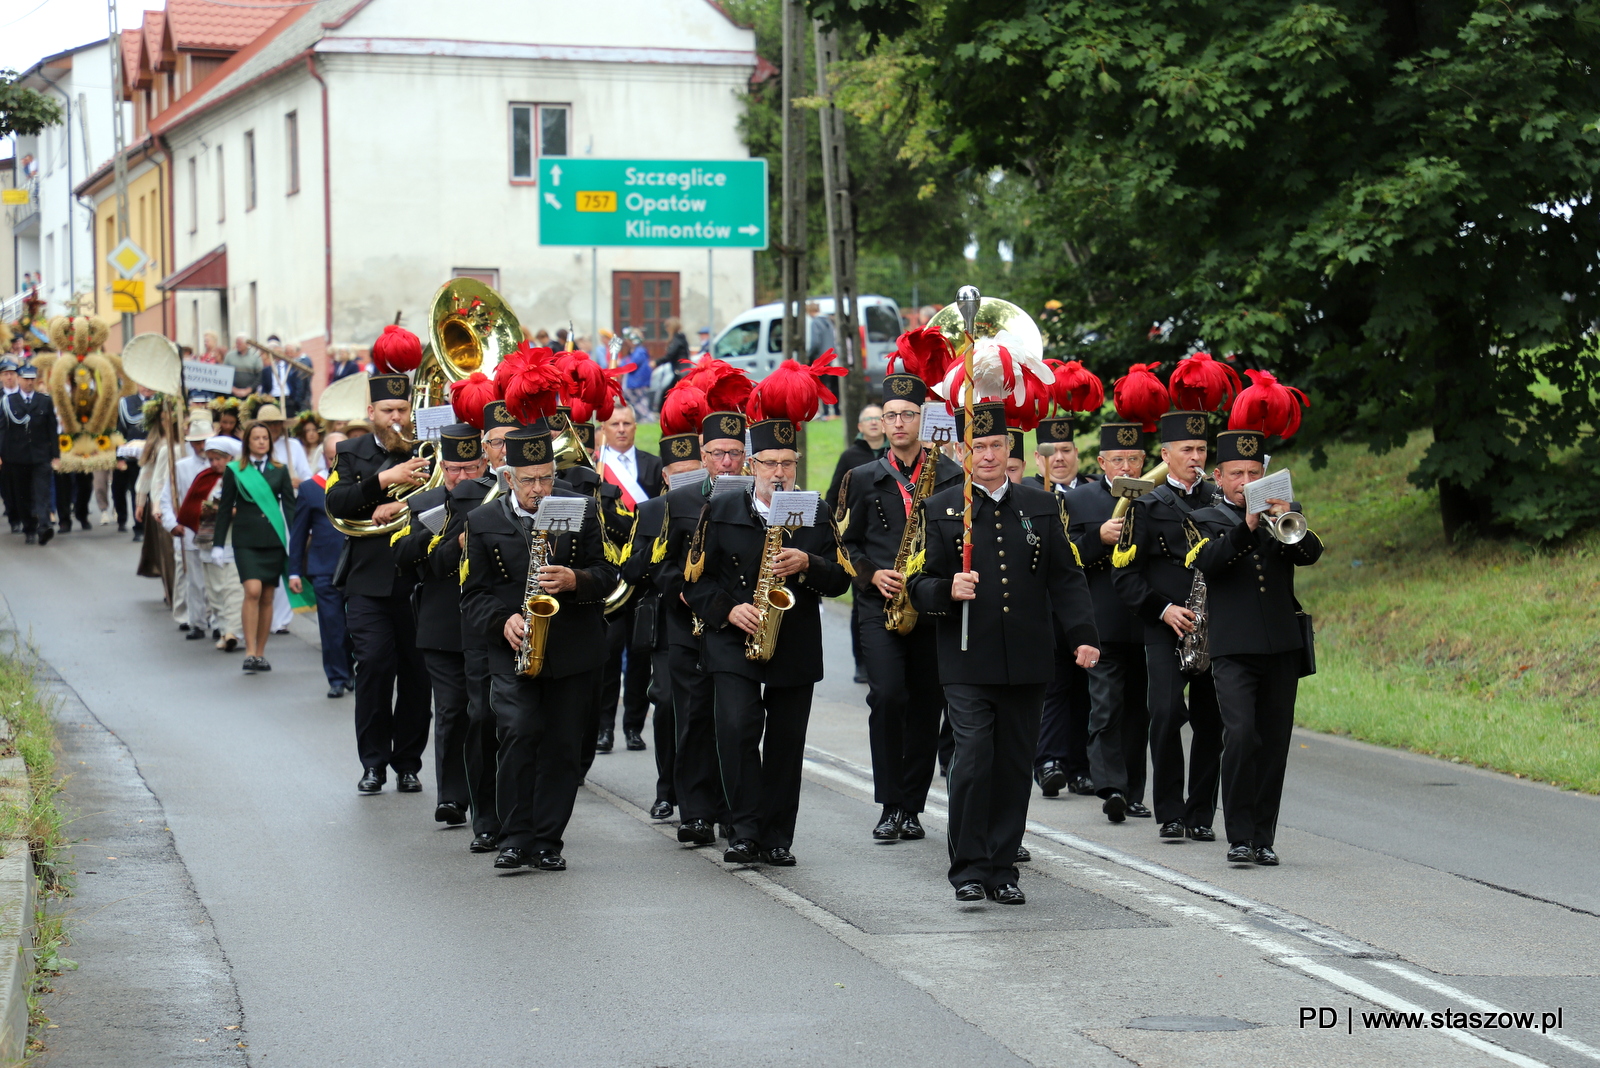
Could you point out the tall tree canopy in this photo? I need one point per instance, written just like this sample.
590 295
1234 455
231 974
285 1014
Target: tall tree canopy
23 110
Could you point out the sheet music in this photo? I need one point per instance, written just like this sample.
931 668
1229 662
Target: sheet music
430 421
732 484
938 425
433 518
686 478
1275 485
794 508
564 515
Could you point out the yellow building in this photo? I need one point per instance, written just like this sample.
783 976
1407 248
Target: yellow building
147 226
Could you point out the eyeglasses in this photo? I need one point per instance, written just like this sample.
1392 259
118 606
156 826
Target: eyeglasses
772 465
725 454
873 418
901 417
545 480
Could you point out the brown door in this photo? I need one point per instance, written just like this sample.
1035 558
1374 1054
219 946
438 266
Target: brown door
645 299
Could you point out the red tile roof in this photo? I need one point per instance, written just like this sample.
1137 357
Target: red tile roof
154 23
202 24
131 39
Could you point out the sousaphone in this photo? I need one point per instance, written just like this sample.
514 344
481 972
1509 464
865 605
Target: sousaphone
470 328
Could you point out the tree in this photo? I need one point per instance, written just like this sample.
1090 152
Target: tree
1390 203
22 110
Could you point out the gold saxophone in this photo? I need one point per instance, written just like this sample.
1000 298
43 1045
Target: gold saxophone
772 599
898 615
537 608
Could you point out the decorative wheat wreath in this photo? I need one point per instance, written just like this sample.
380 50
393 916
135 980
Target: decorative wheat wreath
85 383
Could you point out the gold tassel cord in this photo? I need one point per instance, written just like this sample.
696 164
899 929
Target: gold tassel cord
333 478
462 580
402 532
695 566
844 562
1123 557
914 566
1188 561
433 543
658 549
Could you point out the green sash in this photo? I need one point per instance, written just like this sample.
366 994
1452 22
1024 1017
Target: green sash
254 486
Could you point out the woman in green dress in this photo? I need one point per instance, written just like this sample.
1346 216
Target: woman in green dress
257 507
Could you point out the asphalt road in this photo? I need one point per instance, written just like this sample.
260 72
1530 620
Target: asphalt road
239 903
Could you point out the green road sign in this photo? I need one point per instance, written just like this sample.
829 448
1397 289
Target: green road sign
645 202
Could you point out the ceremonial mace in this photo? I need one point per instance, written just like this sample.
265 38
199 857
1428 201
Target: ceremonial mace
967 300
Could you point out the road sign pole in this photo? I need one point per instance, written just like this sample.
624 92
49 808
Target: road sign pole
711 298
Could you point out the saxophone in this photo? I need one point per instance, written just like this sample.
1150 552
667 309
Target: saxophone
898 615
537 608
772 599
1194 652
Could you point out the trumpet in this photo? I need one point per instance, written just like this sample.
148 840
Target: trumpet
1289 528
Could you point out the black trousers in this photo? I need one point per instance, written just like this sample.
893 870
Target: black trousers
1119 720
8 495
448 672
482 744
905 699
696 773
1168 714
761 744
664 725
73 493
392 691
542 727
1064 725
337 663
997 730
1256 692
123 481
31 485
632 682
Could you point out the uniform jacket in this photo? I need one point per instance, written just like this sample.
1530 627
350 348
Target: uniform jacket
1078 482
734 537
1250 583
1087 508
855 454
314 545
28 428
585 480
1026 575
433 562
238 515
677 512
495 578
648 471
875 521
354 493
130 417
1158 575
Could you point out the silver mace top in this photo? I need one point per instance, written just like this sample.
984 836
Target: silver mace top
967 300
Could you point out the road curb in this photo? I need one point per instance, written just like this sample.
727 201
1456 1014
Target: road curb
17 903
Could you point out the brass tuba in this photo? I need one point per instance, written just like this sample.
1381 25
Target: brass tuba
470 328
367 528
996 318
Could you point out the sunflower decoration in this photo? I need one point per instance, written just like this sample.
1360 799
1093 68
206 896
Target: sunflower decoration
65 441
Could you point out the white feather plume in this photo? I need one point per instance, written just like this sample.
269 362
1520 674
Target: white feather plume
990 359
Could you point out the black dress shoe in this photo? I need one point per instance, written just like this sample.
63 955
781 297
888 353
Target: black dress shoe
371 781
725 831
335 691
1241 853
513 857
1201 834
285 630
449 812
634 739
262 665
248 665
1115 807
1023 856
138 535
970 891
31 539
604 742
216 634
45 535
1137 810
1051 777
1081 785
911 827
743 851
1174 829
661 810
1008 894
195 634
1266 857
696 832
550 860
888 828
482 843
408 783
779 857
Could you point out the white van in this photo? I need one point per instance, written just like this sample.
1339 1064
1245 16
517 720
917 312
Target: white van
753 342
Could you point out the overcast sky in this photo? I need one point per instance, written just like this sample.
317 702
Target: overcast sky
31 30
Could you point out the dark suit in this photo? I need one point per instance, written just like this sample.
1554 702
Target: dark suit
1028 579
1119 718
130 424
903 691
314 548
649 638
762 777
392 686
482 742
540 719
1157 577
1255 645
632 681
27 445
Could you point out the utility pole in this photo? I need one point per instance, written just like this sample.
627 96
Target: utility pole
841 240
796 328
119 159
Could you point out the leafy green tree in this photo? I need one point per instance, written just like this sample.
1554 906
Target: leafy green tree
1390 204
22 110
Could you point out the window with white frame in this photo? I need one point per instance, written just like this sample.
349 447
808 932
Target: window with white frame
222 189
194 195
249 170
537 130
291 133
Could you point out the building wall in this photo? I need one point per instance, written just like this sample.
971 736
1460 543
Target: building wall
147 225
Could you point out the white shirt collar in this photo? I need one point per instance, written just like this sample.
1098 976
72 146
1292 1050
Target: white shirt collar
996 496
763 509
1179 486
516 506
628 459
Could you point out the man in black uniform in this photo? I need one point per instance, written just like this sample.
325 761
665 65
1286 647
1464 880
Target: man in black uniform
1023 571
1063 756
754 697
1256 645
1119 718
433 562
903 689
27 445
1153 578
130 424
392 694
543 718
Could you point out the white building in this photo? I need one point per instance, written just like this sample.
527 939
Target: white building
345 163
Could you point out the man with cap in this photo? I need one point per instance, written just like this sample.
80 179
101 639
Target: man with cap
1119 715
27 445
392 694
1016 464
1153 577
433 561
870 443
903 691
1023 572
8 386
543 719
1257 650
130 424
314 550
762 707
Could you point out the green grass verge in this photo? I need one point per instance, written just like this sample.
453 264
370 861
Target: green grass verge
825 440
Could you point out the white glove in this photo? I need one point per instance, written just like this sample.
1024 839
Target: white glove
219 555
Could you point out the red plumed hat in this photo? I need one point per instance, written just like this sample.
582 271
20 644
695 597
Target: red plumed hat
1140 397
1025 412
726 388
793 390
1268 406
530 382
585 384
1202 384
397 351
683 409
1076 388
470 394
923 352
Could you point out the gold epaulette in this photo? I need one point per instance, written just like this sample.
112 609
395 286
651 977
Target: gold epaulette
616 554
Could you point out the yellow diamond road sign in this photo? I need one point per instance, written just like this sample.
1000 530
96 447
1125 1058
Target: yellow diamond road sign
127 258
